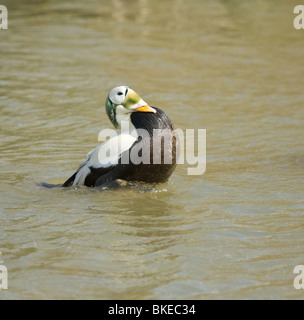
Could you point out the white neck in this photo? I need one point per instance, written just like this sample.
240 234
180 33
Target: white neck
123 118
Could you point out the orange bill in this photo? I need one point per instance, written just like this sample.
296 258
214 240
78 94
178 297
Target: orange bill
145 109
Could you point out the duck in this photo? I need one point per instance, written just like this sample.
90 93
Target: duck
144 148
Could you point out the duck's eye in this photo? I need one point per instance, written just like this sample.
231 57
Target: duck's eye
119 93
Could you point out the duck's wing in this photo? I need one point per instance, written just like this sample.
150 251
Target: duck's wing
102 162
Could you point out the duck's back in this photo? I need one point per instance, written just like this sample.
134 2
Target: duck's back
150 121
161 143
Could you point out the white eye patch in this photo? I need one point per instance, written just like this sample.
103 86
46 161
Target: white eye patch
118 94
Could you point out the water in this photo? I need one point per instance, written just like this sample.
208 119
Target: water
231 67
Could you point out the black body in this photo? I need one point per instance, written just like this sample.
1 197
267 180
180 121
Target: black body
150 173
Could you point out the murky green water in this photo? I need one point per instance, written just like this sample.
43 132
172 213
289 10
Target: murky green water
234 68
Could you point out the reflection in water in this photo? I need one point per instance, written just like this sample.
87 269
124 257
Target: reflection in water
144 242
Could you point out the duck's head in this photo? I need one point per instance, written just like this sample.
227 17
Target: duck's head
121 102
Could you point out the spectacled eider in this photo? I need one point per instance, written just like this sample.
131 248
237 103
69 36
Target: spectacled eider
149 164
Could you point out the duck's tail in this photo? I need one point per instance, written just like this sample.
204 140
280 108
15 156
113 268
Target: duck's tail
49 185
